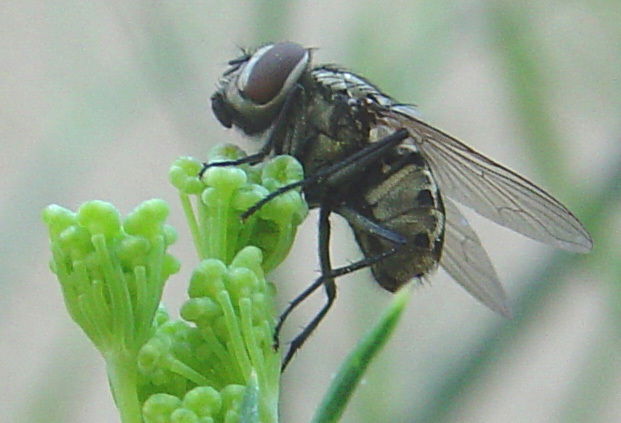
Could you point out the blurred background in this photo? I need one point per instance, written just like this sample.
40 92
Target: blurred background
98 98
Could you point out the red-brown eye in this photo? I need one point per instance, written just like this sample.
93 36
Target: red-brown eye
269 73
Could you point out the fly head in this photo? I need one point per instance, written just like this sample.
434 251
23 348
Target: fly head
253 89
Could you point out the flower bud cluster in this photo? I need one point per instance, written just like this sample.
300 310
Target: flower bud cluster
231 308
112 272
218 364
225 192
200 368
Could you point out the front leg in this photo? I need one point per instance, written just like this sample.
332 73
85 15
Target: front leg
274 140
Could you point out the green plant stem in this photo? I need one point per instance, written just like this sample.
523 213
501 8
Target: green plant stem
122 376
192 223
351 371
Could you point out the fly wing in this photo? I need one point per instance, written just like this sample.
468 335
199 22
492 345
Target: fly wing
492 190
465 259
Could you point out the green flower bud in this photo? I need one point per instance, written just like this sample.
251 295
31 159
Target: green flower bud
99 217
200 309
281 171
224 153
246 197
57 219
159 408
147 220
183 174
225 178
207 279
205 401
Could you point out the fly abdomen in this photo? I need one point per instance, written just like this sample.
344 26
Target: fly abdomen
406 201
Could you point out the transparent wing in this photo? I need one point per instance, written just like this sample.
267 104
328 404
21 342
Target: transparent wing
465 259
492 190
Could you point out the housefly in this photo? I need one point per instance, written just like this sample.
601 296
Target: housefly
392 176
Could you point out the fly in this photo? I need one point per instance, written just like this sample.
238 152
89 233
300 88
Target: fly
392 176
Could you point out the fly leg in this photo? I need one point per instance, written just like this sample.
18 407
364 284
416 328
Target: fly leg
335 175
326 279
328 274
273 141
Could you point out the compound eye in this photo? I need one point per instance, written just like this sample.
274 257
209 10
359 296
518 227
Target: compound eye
268 74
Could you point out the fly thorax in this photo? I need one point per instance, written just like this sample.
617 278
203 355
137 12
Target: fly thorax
335 127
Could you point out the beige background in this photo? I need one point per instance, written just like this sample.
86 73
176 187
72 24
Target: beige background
98 98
